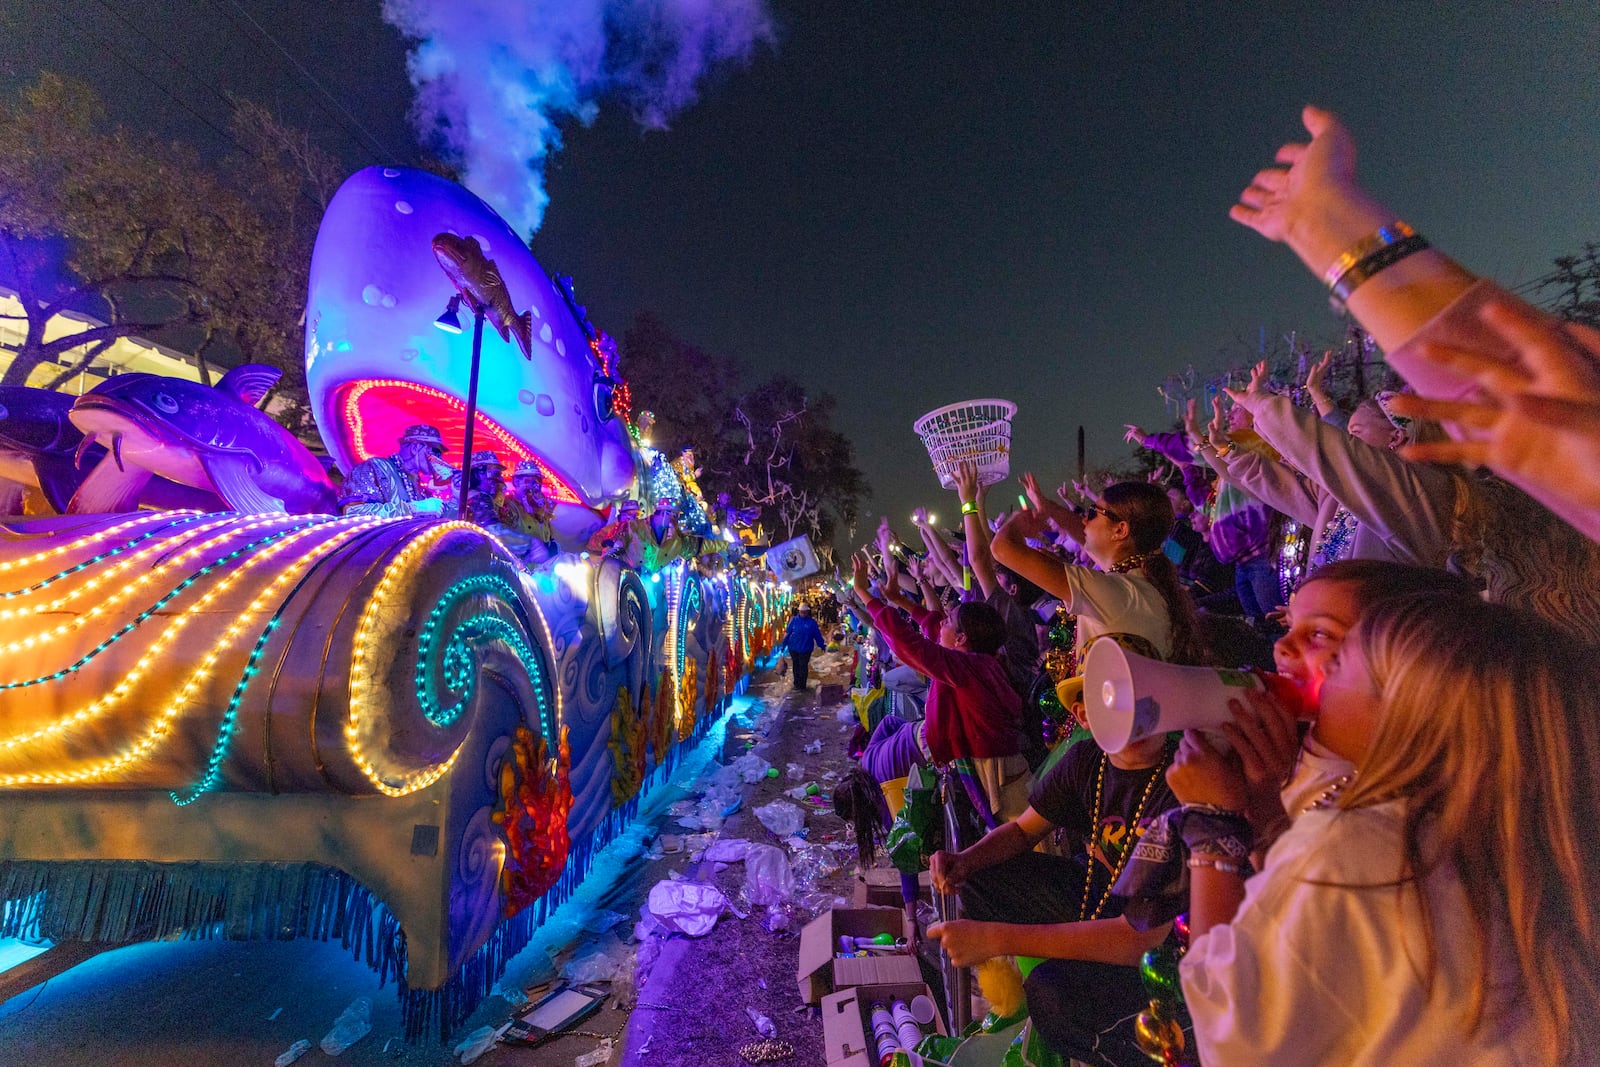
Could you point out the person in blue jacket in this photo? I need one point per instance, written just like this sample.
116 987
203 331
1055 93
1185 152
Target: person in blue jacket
799 639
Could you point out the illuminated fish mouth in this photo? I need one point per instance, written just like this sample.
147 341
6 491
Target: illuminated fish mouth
373 412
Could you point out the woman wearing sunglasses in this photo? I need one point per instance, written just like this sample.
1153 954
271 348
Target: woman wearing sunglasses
1133 587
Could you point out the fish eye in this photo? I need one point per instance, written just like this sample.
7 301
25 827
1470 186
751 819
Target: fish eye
603 388
164 403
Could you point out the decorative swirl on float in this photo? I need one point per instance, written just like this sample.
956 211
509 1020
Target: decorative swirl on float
620 610
478 621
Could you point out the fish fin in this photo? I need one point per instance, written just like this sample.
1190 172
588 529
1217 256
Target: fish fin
58 480
231 476
108 490
250 381
522 327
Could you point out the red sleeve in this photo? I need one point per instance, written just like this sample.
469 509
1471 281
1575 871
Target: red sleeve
916 651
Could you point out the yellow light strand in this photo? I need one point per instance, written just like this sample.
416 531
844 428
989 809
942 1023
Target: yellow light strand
170 634
88 540
78 622
400 566
101 577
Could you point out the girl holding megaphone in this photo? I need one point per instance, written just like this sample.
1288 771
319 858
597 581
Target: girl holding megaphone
1433 903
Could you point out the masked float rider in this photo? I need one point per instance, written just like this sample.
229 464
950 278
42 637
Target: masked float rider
410 482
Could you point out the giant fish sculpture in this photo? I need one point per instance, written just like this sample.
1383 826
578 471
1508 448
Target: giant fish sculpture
376 364
211 438
38 448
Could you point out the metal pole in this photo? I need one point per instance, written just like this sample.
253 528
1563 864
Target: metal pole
472 412
958 995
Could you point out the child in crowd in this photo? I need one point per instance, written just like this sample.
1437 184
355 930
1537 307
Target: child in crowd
1437 907
1020 902
972 711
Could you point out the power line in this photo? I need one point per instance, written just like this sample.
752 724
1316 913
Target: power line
174 60
66 11
371 142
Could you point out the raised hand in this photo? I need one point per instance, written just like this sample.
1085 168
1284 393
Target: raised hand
1030 488
1217 432
966 479
1255 391
1317 376
861 574
1191 420
1133 434
1311 200
1536 421
919 517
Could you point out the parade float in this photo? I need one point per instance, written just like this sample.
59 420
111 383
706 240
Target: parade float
227 710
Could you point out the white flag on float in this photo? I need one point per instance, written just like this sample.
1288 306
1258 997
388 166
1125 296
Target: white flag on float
793 560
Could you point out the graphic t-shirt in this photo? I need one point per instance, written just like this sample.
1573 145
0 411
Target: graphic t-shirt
1066 796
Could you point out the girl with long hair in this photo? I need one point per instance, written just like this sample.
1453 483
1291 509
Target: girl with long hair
1133 587
1442 907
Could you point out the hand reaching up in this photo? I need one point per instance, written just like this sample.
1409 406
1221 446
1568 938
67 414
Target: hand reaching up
1536 421
966 479
1310 200
1251 396
1030 489
1133 434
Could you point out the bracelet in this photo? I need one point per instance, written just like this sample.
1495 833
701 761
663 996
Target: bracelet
1382 259
1385 235
1241 869
969 507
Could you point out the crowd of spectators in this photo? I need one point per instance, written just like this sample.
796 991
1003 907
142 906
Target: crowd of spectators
1397 874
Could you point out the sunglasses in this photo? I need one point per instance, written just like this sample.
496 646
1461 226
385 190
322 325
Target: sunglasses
1088 511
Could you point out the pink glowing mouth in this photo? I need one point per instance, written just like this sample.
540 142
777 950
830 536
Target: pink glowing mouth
374 412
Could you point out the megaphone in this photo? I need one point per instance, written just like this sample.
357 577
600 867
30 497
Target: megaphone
1131 697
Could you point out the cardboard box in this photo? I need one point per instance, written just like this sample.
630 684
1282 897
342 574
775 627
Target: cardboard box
847 1021
820 973
880 888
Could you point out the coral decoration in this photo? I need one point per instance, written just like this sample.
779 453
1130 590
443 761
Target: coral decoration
688 692
535 799
627 747
713 682
661 723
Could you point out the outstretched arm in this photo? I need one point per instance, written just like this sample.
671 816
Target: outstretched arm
1312 202
976 526
938 551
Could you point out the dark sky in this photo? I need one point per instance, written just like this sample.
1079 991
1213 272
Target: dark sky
909 204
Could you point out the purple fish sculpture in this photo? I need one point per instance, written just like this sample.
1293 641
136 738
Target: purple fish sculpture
38 445
211 438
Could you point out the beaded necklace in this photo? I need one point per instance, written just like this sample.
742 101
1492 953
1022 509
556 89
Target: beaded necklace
1167 752
1131 563
1335 538
1330 796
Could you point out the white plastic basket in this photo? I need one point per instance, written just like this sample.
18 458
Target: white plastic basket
976 430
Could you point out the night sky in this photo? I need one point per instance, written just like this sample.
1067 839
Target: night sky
909 204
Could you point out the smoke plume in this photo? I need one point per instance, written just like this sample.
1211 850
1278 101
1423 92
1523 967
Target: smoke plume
495 77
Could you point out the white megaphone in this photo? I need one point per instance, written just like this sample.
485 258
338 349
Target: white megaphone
1129 697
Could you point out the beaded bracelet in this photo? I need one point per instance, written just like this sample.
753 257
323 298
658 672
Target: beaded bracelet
1241 869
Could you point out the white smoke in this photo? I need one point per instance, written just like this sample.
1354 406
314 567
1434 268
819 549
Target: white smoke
493 77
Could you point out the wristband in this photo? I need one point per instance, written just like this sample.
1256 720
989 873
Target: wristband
1243 870
1385 235
1379 261
969 507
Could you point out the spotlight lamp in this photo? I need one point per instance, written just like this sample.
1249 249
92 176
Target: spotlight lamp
450 322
